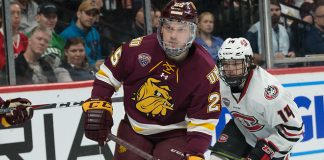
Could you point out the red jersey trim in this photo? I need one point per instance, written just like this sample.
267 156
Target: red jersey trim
50 86
246 85
296 70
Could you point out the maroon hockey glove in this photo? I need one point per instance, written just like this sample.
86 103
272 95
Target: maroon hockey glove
21 111
261 151
98 120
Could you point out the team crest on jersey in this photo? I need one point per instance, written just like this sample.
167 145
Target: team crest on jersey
222 138
271 92
153 99
144 59
249 122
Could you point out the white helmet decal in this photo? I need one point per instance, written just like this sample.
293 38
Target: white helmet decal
235 48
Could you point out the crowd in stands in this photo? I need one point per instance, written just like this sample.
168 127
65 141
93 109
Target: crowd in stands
29 65
280 38
20 40
51 46
205 38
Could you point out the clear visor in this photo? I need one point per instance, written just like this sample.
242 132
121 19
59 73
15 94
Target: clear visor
175 37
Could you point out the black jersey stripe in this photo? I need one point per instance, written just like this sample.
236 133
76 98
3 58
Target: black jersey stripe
293 128
289 139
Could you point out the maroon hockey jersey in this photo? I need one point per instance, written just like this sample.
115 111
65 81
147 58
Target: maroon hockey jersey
162 95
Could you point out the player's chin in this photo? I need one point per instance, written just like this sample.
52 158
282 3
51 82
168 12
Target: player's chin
174 45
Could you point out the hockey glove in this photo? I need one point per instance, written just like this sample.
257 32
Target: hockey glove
20 111
98 120
262 151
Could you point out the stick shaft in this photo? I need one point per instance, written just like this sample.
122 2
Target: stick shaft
132 148
56 105
8 110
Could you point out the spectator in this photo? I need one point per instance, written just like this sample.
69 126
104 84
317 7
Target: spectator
102 24
205 38
305 12
299 29
280 38
30 68
47 17
314 40
99 4
20 40
83 27
156 19
75 60
28 14
138 24
137 28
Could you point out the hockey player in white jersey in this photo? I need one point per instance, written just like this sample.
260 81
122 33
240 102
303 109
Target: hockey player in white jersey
266 123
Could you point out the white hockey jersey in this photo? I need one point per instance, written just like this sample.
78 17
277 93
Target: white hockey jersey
265 110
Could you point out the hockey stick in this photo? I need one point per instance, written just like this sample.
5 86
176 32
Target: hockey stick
42 106
57 105
132 148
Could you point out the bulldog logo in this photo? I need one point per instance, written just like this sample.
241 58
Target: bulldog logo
153 99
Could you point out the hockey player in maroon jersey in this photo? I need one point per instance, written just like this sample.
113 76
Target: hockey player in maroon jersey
266 123
20 111
171 91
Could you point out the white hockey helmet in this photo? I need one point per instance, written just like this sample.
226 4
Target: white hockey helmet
235 61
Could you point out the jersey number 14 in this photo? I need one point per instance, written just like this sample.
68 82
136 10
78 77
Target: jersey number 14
285 113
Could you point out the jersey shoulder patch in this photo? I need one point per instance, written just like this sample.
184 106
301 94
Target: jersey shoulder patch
271 92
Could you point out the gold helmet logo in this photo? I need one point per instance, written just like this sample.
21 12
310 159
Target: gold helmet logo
153 99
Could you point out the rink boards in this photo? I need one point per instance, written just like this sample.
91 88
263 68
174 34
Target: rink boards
56 130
